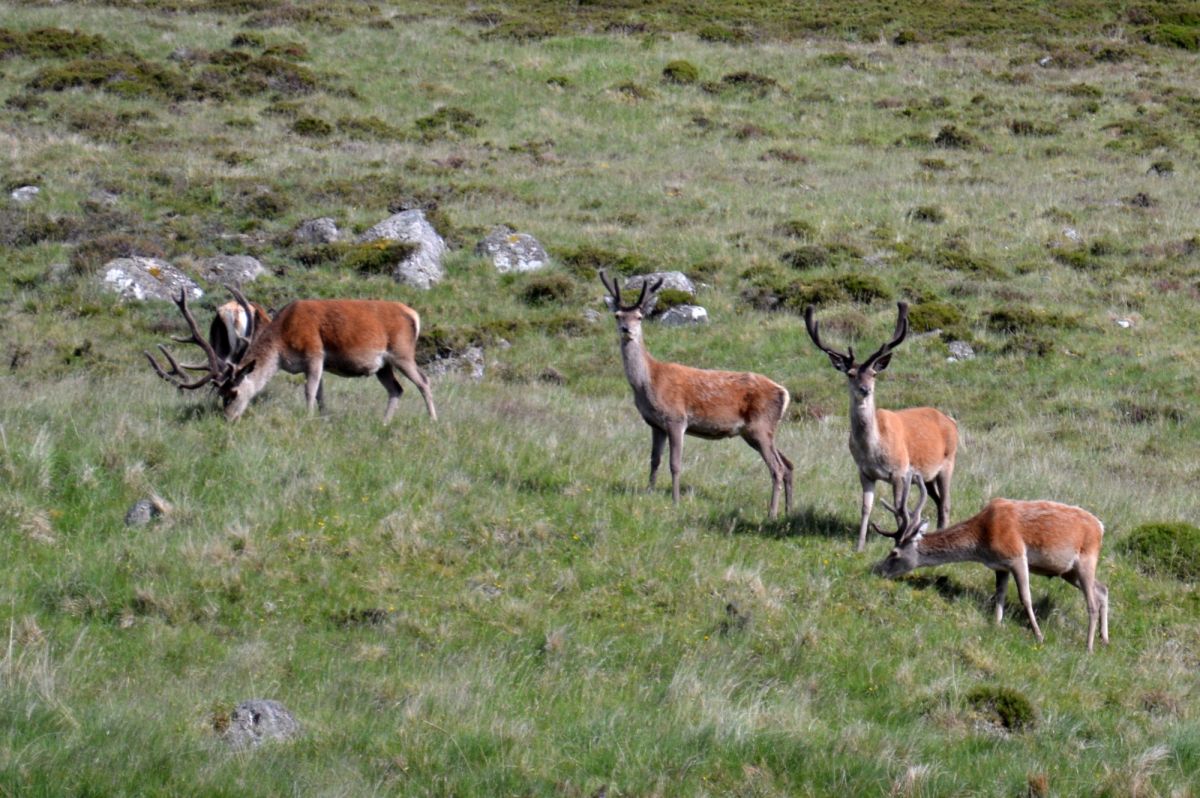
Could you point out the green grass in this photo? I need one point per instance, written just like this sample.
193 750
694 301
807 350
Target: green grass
491 604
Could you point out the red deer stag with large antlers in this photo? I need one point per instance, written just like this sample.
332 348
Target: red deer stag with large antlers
675 399
1010 537
892 445
347 337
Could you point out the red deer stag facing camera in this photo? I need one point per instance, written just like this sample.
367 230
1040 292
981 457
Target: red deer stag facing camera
347 337
675 399
1011 537
892 445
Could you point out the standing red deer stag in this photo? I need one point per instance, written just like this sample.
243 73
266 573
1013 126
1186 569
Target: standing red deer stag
892 445
347 337
1011 537
675 399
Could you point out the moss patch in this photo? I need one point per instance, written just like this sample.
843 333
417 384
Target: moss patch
1165 549
1004 706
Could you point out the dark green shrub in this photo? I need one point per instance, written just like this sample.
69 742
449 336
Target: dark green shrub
669 298
90 255
812 256
1165 549
952 137
935 165
841 61
1131 412
634 91
1185 37
929 316
1026 127
957 258
1162 168
248 39
796 228
370 127
312 126
906 37
559 81
587 261
546 289
931 214
722 34
1005 706
377 257
1016 319
864 287
680 72
50 43
126 75
1076 257
752 82
448 121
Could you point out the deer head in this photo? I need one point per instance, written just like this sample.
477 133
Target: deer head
861 375
629 317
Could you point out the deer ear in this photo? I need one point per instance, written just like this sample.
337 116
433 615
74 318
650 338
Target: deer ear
882 363
839 362
243 372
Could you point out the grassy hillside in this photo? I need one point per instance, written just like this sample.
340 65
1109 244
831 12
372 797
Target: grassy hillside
492 605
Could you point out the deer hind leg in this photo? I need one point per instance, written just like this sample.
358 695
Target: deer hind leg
675 436
1020 572
868 501
1001 592
788 473
313 394
417 377
394 389
658 439
763 444
1102 598
1085 579
941 497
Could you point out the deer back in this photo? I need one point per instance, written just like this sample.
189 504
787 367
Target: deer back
722 401
366 326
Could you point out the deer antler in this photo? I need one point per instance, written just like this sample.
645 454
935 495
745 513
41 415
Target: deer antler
898 336
175 375
908 523
841 361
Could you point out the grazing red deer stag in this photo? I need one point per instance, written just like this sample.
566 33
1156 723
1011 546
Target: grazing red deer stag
1011 537
675 399
347 337
892 445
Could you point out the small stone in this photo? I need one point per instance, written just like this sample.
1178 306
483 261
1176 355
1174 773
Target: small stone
144 511
1125 323
257 721
317 231
960 350
233 270
25 194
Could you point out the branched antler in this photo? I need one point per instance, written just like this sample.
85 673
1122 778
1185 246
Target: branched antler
908 524
214 369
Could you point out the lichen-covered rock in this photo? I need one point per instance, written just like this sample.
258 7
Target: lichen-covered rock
672 281
317 231
469 362
257 721
511 251
231 269
682 315
139 279
423 268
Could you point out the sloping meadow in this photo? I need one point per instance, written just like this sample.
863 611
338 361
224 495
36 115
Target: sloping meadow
491 604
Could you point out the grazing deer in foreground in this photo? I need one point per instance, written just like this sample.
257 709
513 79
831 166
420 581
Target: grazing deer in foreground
676 399
892 445
1010 537
347 337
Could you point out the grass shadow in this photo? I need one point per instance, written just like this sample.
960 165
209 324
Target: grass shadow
951 590
806 522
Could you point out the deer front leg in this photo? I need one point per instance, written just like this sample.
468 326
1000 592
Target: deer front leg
658 439
868 501
675 435
1001 591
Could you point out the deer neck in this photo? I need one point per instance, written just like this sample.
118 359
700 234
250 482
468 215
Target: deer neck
864 425
956 543
637 363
